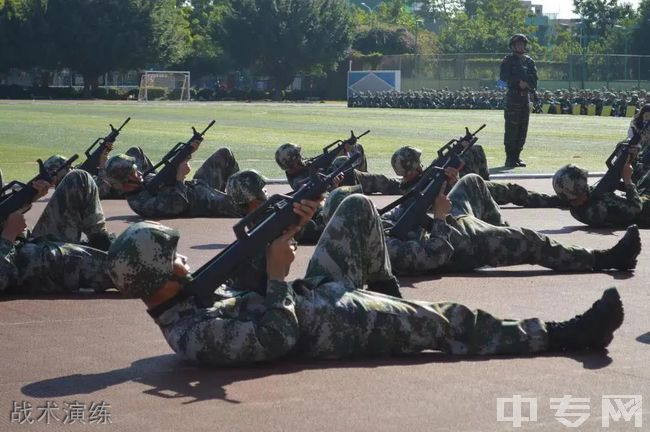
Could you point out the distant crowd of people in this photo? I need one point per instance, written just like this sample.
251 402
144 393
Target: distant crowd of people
564 101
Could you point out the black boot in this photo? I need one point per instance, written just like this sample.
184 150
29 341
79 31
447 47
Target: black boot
623 255
520 163
510 162
101 240
593 329
389 287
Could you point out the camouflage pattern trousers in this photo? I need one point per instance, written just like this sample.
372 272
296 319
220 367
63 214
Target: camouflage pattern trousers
201 197
52 259
516 114
328 316
476 235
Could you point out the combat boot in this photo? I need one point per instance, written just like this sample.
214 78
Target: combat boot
624 253
520 163
389 287
510 163
594 329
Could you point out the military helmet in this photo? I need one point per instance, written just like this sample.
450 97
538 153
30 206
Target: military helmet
287 155
140 260
54 163
406 160
120 167
516 38
570 182
246 186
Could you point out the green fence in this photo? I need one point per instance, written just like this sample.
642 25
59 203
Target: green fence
614 71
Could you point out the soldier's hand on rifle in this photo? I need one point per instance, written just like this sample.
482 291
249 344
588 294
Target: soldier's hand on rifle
337 181
183 170
280 254
452 176
41 187
442 205
14 226
306 210
103 158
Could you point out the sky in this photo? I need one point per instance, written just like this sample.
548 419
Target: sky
565 7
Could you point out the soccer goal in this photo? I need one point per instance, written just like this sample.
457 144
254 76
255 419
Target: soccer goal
168 85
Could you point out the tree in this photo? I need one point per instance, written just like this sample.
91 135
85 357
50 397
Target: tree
21 33
599 16
385 40
487 28
93 37
280 38
642 30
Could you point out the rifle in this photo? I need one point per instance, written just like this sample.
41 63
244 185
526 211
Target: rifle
179 153
425 191
257 230
615 163
12 200
91 163
324 160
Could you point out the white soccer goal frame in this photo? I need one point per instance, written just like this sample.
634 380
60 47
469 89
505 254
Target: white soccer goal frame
147 76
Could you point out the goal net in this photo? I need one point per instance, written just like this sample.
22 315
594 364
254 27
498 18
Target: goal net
165 85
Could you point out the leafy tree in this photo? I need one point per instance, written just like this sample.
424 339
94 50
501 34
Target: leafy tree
599 16
280 38
641 30
486 26
206 55
93 37
385 40
21 33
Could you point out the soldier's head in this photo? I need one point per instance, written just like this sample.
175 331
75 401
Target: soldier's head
518 43
406 162
246 188
53 164
289 157
122 173
570 184
143 259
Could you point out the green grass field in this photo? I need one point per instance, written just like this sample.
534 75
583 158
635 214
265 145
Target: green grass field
31 130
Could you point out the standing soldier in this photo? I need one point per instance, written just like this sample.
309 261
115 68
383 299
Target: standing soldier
519 71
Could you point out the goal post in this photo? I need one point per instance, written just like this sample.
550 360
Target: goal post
168 85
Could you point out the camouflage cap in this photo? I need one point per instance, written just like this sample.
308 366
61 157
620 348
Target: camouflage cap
287 155
54 163
120 167
246 186
570 182
406 160
141 259
336 197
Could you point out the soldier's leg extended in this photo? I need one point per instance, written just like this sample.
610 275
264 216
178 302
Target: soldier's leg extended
216 170
142 161
503 246
407 327
506 193
54 267
206 201
475 161
523 130
470 196
74 209
352 249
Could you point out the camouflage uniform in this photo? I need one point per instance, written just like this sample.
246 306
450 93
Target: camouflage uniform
607 210
326 315
476 235
288 155
110 186
51 259
202 197
517 112
407 159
